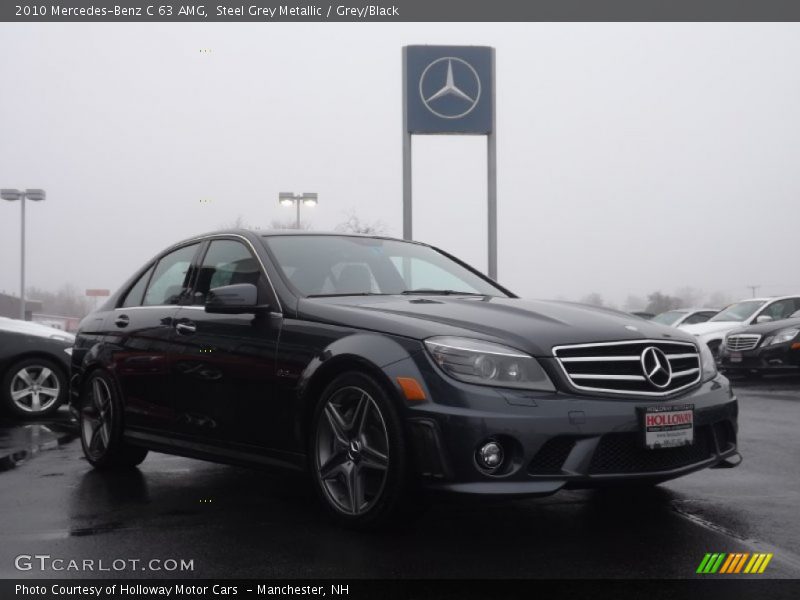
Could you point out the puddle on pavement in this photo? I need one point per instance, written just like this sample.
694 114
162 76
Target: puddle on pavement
21 443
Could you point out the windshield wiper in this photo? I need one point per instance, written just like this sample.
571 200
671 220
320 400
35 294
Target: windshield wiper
423 292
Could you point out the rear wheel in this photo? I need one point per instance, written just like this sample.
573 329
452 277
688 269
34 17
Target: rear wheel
33 388
101 426
357 454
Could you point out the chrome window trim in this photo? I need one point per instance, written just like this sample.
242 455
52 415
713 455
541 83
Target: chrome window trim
584 388
211 237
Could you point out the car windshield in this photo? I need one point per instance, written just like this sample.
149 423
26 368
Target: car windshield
668 318
740 311
328 265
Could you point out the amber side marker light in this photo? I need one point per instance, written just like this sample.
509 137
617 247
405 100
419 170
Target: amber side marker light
795 346
412 390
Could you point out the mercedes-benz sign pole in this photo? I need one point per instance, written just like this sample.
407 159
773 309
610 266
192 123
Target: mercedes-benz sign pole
450 90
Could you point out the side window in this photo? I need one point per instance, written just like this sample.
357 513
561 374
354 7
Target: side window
171 277
780 309
134 295
227 262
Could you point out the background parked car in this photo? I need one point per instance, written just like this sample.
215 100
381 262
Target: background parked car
741 314
685 316
34 362
765 347
642 314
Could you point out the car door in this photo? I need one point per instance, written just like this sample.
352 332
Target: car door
140 330
223 366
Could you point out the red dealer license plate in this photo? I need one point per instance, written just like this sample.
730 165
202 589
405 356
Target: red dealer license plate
668 426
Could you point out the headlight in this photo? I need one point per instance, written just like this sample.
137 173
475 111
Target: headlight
785 335
485 363
708 365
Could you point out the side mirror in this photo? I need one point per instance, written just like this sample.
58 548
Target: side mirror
233 299
764 319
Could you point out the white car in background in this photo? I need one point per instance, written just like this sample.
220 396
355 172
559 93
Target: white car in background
741 314
684 316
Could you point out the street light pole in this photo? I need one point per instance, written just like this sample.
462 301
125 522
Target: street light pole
12 195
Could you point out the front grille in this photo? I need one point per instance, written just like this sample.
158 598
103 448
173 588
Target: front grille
551 456
619 367
742 341
625 453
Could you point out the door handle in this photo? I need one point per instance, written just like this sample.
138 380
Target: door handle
122 321
185 327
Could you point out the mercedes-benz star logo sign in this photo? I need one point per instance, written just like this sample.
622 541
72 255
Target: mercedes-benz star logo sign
450 87
656 367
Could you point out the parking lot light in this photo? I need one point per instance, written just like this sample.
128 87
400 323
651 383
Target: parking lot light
12 195
292 199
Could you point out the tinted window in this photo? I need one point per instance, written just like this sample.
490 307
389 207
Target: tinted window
320 265
134 295
171 277
226 262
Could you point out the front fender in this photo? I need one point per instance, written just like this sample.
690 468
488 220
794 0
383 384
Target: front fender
369 352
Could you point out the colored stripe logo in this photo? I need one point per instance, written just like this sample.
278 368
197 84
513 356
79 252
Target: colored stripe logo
737 562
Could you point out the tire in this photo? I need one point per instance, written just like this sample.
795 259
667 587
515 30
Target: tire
33 388
101 426
357 455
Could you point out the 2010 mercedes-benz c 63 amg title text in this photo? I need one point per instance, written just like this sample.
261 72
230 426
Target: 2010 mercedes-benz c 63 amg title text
384 367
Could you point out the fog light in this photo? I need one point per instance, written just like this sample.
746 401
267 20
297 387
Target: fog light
490 455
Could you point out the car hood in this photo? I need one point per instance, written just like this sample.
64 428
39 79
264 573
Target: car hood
534 326
708 328
35 329
769 328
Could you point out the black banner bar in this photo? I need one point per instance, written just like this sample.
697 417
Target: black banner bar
711 588
151 11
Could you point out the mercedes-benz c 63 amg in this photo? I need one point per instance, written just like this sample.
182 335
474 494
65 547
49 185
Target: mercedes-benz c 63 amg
382 367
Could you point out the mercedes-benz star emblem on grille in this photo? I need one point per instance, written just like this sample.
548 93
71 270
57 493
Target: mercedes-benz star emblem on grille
450 87
656 367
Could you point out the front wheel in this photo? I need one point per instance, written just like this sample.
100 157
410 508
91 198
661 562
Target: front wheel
100 419
357 454
34 388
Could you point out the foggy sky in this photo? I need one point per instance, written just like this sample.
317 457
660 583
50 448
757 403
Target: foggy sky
631 157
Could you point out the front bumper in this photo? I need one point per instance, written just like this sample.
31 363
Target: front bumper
555 441
777 358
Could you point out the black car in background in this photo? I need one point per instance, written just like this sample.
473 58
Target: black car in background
34 364
772 347
378 366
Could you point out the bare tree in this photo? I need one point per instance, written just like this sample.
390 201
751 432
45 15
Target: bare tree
68 301
658 303
355 225
634 303
594 299
288 224
720 299
238 223
689 296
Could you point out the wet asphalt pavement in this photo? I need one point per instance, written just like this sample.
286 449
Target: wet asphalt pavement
235 522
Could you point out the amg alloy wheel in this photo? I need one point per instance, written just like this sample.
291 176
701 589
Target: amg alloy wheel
101 426
357 452
33 388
